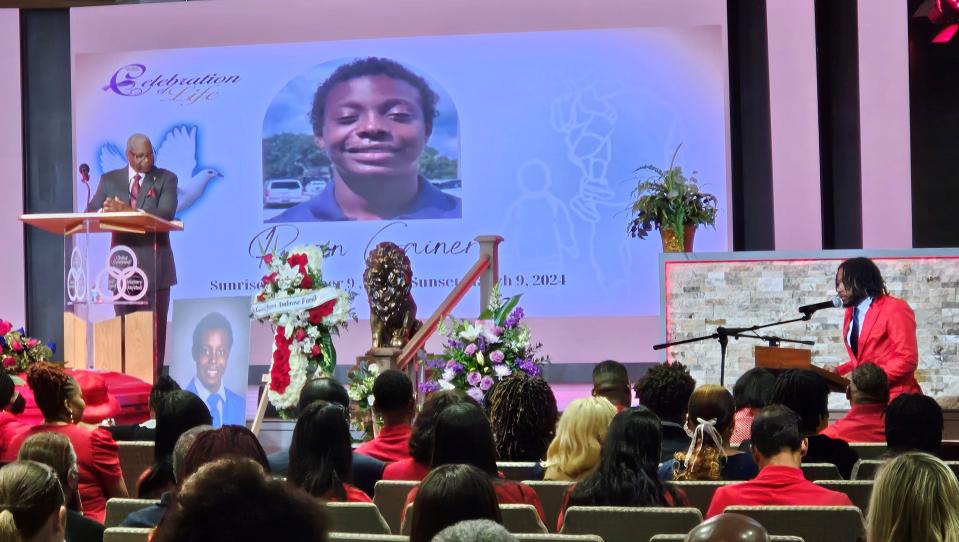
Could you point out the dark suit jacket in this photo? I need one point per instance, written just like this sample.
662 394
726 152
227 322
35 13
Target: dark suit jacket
234 411
157 197
82 529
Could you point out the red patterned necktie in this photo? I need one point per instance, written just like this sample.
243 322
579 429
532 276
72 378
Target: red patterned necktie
135 191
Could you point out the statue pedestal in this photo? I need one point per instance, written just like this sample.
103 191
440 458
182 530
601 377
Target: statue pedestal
384 357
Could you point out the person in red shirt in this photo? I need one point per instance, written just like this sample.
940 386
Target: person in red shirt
13 404
58 397
626 474
877 327
321 457
463 436
417 465
610 380
451 494
778 448
393 401
868 394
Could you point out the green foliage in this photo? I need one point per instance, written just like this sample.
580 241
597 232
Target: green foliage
666 197
435 166
291 156
296 156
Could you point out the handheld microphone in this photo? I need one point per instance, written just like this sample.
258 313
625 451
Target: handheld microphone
834 302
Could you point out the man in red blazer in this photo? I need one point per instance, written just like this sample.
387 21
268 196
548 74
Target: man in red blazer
878 327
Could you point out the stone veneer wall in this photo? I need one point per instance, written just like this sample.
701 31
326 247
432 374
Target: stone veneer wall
702 295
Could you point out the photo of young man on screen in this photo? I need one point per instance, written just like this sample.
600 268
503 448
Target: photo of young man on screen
212 342
373 117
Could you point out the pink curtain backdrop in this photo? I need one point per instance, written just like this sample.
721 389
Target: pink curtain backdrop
884 124
794 125
13 297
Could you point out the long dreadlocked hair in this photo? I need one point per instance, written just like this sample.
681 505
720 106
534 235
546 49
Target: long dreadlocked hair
50 385
523 414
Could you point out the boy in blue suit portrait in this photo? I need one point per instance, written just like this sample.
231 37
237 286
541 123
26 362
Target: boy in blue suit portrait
212 341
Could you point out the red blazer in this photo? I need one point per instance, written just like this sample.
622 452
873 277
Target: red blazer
888 339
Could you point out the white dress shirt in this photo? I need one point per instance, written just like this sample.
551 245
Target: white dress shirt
863 308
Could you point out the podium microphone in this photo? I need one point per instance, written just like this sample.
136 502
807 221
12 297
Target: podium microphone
834 302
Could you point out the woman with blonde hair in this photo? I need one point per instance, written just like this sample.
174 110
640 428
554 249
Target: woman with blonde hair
710 416
915 497
574 452
31 504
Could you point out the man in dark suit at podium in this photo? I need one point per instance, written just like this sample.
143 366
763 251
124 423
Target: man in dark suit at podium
142 187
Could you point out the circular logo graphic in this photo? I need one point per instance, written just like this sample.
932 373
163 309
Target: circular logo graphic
76 278
121 279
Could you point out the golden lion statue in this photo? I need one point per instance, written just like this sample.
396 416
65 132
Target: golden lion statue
388 280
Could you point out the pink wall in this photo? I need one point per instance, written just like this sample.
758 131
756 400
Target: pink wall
12 298
228 22
794 124
884 124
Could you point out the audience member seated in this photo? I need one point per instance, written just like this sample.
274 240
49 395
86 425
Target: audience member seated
523 413
146 431
233 499
665 389
58 397
475 530
32 507
417 465
227 441
626 474
463 436
728 527
915 497
321 456
574 452
177 412
610 380
366 470
778 447
806 394
151 516
11 404
393 401
55 451
450 494
711 416
99 405
868 395
752 392
914 423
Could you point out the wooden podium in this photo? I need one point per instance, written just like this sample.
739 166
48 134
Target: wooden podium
778 359
103 279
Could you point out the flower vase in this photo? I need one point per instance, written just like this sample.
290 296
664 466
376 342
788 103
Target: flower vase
671 240
361 424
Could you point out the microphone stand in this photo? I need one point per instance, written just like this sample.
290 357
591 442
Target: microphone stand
723 334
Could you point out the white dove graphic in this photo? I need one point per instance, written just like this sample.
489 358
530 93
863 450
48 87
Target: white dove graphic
177 153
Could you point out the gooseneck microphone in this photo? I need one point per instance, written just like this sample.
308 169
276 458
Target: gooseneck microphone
833 303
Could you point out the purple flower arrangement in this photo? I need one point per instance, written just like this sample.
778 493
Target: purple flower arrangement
479 353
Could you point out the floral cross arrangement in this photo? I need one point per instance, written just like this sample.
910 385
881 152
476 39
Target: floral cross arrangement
479 353
306 313
18 351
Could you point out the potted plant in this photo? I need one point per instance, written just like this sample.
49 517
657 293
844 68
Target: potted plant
671 203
